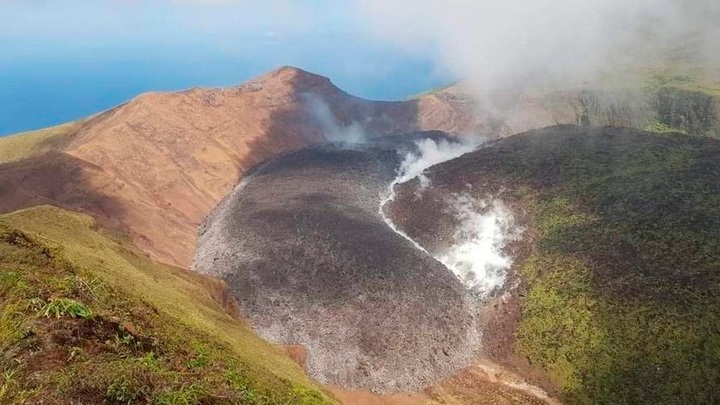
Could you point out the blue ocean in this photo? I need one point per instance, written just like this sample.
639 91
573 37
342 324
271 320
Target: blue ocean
44 83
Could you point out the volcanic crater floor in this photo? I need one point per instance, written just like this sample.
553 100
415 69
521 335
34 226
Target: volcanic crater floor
303 247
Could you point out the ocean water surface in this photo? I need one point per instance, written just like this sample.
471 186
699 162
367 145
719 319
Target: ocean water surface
45 82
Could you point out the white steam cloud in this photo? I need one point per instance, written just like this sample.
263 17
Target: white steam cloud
499 44
476 255
333 131
429 153
414 163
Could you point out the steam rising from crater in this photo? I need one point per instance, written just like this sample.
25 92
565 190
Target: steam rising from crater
333 131
476 253
429 153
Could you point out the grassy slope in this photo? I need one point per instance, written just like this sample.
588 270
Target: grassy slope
623 302
690 78
29 144
685 100
155 334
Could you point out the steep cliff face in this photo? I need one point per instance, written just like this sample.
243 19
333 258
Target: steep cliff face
693 112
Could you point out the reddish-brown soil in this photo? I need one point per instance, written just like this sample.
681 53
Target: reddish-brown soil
483 383
347 397
298 354
500 322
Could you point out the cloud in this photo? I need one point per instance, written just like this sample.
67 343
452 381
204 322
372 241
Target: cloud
500 43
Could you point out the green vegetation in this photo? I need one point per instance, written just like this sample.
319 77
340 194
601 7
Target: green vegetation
684 101
59 307
29 144
689 79
660 128
623 300
85 318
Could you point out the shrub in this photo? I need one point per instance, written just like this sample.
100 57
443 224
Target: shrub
59 307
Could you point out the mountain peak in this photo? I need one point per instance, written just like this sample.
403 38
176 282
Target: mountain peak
292 71
295 77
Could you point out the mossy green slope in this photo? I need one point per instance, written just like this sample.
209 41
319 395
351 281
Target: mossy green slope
683 101
622 276
87 319
624 280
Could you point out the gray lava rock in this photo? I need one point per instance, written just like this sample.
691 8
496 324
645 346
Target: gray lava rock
305 251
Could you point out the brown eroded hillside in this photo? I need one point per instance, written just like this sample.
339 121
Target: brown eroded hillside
155 166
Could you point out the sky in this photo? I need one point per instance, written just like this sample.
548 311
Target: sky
66 59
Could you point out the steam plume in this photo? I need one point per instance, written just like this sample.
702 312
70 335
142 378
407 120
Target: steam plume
476 254
332 130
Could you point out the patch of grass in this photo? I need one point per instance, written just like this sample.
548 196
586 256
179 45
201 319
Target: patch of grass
86 318
11 388
656 79
186 395
59 307
29 144
684 78
202 357
11 321
660 128
123 390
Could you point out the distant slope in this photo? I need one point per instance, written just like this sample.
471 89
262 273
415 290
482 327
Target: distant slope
156 165
620 269
31 144
86 318
677 98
